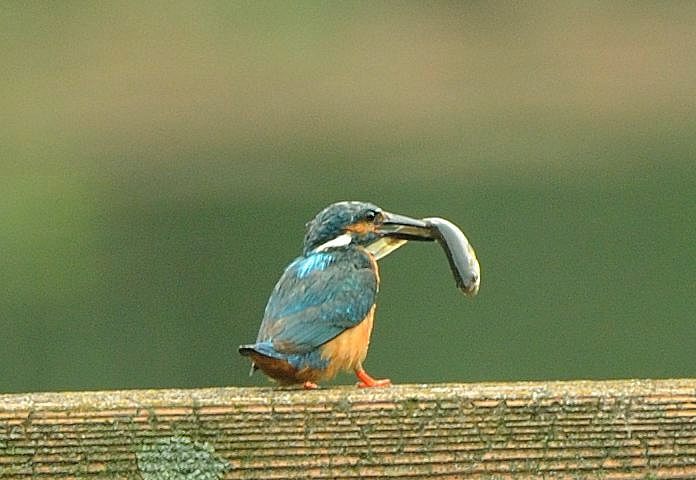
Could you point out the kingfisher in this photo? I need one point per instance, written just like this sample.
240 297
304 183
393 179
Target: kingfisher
319 317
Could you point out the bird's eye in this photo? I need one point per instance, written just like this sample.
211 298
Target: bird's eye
371 215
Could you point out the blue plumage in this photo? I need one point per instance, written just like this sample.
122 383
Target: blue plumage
319 317
332 221
303 266
317 297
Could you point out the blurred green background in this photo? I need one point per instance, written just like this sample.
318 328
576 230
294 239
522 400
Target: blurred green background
159 161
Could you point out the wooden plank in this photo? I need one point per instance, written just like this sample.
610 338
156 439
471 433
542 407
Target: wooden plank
630 429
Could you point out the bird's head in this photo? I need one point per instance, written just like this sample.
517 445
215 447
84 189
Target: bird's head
364 224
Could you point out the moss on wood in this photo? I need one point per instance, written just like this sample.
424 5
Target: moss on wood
615 429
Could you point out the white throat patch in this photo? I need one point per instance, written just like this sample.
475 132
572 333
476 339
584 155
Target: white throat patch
340 241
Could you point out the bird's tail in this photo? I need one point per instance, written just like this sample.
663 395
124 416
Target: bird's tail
245 351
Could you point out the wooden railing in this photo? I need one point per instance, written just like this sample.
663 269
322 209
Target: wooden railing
632 429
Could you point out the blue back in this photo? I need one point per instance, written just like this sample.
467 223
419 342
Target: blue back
319 295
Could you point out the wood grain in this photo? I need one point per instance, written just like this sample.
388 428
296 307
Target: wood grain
631 429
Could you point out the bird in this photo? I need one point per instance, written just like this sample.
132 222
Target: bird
319 317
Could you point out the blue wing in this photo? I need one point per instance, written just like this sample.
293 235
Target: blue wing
318 297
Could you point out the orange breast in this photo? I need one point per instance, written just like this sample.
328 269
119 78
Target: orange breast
348 350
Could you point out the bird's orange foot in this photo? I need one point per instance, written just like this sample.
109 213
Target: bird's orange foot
367 381
310 386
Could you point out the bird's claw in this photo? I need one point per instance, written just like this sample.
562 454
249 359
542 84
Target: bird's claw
366 381
384 382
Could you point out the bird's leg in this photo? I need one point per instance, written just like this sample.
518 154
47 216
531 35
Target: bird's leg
310 385
367 381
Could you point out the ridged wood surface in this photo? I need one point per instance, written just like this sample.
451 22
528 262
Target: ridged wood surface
632 429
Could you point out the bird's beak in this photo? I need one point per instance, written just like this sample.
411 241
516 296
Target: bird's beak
395 230
401 227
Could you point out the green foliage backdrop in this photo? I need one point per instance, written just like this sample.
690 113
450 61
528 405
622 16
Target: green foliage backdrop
159 161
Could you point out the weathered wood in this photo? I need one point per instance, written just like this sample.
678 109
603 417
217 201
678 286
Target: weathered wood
614 430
